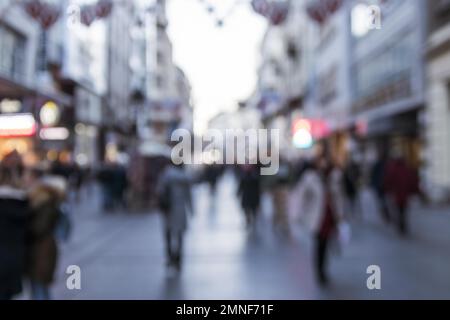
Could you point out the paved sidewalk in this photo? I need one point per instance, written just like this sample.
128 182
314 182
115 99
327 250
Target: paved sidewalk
122 256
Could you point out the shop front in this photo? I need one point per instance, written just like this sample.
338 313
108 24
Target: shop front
25 121
398 133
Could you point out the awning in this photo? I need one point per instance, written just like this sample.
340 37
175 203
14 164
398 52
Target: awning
11 89
14 90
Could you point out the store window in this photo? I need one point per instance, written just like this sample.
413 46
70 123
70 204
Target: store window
12 54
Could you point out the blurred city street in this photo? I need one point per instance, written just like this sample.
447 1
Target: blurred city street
233 149
121 256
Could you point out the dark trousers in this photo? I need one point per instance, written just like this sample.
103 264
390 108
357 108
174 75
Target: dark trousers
250 216
321 249
174 247
384 209
402 219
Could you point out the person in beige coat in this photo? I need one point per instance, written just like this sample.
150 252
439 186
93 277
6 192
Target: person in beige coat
45 199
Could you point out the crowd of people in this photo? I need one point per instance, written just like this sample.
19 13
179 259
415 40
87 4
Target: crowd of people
34 217
327 197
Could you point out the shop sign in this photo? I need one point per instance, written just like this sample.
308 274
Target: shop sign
53 134
10 106
17 125
49 114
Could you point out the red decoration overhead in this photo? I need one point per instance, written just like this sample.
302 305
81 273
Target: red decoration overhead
275 11
321 10
88 15
103 8
47 14
33 8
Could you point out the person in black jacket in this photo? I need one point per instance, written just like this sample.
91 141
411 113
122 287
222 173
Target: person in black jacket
249 191
13 221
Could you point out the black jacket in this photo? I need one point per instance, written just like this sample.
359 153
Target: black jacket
13 217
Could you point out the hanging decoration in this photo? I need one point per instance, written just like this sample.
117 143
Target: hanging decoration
87 15
33 8
275 11
321 10
47 14
219 15
100 10
44 13
104 8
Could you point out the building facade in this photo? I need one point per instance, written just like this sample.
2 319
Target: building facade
119 111
30 100
437 117
282 75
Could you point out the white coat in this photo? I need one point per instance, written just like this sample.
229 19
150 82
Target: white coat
309 198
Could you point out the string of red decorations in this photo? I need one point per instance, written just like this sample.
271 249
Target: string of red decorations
47 14
321 10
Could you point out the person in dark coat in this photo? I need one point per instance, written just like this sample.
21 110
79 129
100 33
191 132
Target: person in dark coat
377 183
401 182
212 174
174 189
13 216
351 179
249 191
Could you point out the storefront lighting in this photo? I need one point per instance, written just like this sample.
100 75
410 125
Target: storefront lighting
49 114
54 134
10 106
80 129
303 139
17 125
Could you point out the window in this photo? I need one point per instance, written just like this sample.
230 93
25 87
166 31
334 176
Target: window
12 54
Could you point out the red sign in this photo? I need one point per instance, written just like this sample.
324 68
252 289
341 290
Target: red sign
17 125
318 128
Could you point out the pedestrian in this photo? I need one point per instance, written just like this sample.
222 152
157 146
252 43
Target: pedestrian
212 174
321 202
377 182
249 191
280 191
401 182
175 202
45 199
13 217
351 181
112 178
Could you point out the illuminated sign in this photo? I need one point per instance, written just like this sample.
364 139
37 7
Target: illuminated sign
302 138
54 134
10 106
17 125
49 114
305 131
